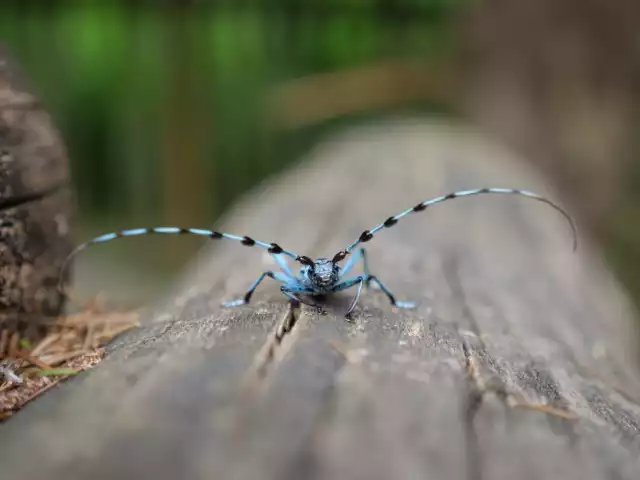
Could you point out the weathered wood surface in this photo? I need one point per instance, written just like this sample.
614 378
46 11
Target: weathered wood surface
508 315
36 203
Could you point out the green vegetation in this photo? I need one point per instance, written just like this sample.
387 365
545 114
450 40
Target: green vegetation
163 110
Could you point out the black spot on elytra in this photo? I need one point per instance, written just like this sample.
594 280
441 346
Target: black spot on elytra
248 241
216 235
450 196
390 222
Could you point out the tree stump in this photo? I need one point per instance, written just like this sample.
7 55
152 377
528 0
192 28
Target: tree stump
520 361
36 205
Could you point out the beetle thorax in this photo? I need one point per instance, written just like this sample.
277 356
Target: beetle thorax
324 273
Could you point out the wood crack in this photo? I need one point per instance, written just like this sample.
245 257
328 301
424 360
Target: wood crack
481 384
266 358
438 390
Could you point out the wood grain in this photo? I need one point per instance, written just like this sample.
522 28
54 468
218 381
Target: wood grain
509 319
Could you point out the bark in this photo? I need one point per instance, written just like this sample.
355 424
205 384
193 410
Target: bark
520 361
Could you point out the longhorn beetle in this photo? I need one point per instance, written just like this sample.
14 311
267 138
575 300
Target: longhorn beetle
322 276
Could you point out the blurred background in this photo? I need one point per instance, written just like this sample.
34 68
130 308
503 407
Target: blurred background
172 110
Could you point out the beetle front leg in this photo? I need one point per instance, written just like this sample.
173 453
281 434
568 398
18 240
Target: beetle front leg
247 296
292 293
348 283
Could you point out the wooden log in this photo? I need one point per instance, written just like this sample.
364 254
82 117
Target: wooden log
520 362
36 205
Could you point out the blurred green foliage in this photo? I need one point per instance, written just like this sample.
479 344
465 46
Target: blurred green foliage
142 93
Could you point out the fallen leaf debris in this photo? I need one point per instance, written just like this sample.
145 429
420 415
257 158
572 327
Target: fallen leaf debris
72 344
